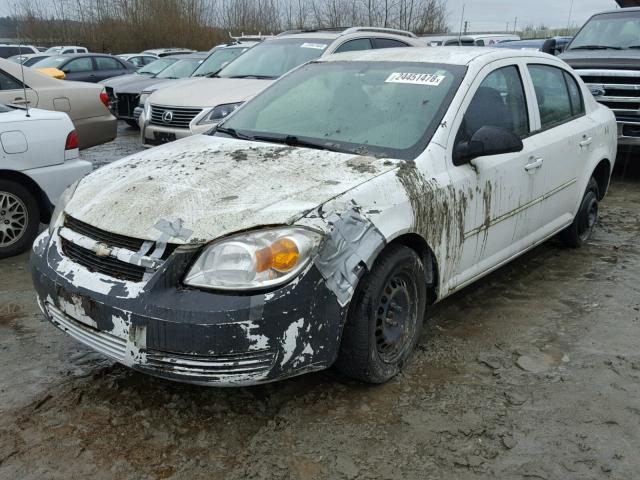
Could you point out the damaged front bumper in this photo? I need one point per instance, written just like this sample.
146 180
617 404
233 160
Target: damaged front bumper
160 327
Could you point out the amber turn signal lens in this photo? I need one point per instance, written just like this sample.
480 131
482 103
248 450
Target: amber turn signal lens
282 255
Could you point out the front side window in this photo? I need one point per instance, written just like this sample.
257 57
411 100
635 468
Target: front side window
273 58
388 109
83 64
499 102
554 102
354 45
106 63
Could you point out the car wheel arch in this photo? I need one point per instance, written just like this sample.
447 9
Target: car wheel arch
46 208
602 175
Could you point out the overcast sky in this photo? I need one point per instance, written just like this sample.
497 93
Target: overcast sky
494 14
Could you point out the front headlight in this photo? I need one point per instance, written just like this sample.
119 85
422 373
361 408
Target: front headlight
219 113
143 98
254 260
56 217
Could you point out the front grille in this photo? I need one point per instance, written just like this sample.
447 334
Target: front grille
105 265
621 90
127 102
111 239
103 342
182 117
247 363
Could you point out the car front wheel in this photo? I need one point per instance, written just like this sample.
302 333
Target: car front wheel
584 223
19 218
385 318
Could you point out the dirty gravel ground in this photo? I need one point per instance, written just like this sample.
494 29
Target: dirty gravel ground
532 373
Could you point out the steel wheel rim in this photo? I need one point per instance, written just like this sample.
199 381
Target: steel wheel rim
588 220
395 318
14 219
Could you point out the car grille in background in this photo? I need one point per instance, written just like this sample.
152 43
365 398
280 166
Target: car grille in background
126 104
621 90
247 363
107 265
103 342
182 117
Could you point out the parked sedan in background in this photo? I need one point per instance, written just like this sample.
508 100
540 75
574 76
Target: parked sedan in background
30 59
86 103
320 222
124 96
197 105
137 59
39 161
164 52
149 70
87 67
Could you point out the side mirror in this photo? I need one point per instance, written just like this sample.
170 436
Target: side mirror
550 46
486 141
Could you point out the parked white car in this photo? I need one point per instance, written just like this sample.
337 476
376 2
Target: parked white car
65 50
38 161
197 105
320 221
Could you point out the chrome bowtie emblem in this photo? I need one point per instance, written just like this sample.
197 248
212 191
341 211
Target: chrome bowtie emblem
167 116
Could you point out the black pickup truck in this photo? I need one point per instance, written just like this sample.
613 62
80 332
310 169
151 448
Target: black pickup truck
606 54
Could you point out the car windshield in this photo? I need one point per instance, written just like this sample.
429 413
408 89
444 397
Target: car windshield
615 31
157 66
388 109
181 69
274 58
51 62
217 60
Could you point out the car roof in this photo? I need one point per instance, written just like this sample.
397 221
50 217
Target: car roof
198 55
619 10
337 32
443 55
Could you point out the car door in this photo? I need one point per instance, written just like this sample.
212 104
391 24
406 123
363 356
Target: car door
12 91
79 69
107 67
499 189
563 136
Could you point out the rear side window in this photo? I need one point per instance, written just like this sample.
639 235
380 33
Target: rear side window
555 102
499 102
575 95
106 63
354 45
7 82
388 43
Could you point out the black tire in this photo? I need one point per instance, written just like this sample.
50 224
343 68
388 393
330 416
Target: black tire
133 124
19 218
579 232
385 317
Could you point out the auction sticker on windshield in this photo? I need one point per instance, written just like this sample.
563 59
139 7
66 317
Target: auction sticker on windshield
317 46
416 78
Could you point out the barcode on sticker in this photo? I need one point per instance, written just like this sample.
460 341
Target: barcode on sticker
317 46
416 78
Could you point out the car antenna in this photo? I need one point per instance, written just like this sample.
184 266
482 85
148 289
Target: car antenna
24 85
461 22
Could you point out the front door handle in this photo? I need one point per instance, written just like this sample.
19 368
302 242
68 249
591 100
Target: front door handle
533 166
586 141
21 100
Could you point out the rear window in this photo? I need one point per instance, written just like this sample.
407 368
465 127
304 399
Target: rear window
6 52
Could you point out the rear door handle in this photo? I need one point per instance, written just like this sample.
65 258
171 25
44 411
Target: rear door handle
535 165
586 141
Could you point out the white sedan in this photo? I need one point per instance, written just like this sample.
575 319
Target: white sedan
38 161
321 220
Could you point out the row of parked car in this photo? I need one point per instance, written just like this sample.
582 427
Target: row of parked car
317 220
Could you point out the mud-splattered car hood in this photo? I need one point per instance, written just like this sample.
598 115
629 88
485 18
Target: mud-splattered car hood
216 186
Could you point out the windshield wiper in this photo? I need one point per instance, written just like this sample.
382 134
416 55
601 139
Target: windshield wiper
293 141
596 47
633 46
232 132
258 77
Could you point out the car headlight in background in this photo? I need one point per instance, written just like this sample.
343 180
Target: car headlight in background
56 217
219 113
254 260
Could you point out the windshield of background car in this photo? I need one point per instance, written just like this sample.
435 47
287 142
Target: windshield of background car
217 60
388 109
618 30
51 62
157 66
181 69
274 58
